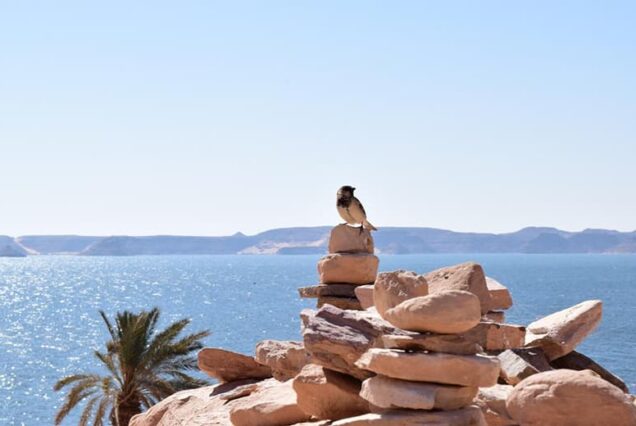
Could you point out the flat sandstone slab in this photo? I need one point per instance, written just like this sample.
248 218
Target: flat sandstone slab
350 303
464 370
228 366
560 333
385 392
468 416
448 343
500 297
492 336
338 290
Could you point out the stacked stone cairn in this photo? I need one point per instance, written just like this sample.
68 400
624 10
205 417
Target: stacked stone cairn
349 264
413 349
430 373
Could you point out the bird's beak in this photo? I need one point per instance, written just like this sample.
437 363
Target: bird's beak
353 189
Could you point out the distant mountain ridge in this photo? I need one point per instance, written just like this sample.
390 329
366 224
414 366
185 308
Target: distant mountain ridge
313 240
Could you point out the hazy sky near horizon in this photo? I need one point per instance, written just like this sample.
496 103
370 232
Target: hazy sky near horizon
209 118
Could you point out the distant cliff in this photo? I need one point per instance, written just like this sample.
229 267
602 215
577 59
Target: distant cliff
10 248
313 240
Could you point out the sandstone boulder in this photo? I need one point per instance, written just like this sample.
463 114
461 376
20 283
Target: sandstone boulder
467 416
517 364
327 394
349 239
577 361
466 276
570 398
448 343
493 336
448 312
270 406
351 303
209 405
392 288
338 290
560 333
500 297
348 268
284 358
228 366
336 338
463 370
492 402
385 392
364 293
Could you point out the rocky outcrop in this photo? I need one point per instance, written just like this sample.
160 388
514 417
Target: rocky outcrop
268 406
430 351
446 312
208 405
284 358
392 288
10 248
467 416
561 332
228 366
570 398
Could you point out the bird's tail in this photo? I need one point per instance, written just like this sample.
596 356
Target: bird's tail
367 225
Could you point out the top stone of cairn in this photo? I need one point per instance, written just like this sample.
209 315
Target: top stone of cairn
349 239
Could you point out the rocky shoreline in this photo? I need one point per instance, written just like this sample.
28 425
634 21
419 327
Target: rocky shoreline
398 348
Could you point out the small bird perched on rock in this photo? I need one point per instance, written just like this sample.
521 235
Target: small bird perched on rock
351 210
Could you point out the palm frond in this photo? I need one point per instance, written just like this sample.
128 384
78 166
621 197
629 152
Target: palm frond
76 394
88 410
73 378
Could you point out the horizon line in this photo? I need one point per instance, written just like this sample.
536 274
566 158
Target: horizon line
312 227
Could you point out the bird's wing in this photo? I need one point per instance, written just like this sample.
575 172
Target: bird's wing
357 211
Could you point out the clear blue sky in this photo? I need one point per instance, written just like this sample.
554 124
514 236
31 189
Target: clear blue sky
214 117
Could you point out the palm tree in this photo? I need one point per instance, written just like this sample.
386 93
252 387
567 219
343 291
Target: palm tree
144 366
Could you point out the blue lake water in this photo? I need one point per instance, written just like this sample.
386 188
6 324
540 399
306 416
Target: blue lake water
49 324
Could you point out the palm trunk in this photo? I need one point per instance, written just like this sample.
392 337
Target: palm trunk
126 409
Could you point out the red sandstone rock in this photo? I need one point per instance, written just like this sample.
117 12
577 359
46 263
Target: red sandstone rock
392 288
570 398
228 366
348 268
466 276
447 312
327 394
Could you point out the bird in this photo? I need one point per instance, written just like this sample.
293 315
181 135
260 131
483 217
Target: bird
351 210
